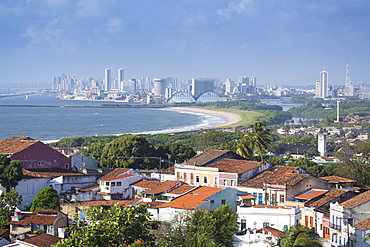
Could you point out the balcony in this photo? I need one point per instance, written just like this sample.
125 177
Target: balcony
336 227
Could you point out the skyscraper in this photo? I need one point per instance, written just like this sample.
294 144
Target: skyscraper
120 76
324 83
106 85
200 85
348 85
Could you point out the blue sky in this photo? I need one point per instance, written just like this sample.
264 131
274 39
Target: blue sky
278 41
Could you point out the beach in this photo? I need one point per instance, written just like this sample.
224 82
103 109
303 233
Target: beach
230 118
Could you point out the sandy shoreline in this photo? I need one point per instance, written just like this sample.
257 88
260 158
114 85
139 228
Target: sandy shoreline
231 118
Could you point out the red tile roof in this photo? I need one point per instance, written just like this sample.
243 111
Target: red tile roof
154 204
336 179
114 173
206 157
192 199
90 188
328 197
15 144
235 166
276 175
28 219
49 173
118 177
42 240
162 187
147 184
250 196
310 194
109 203
46 211
363 225
357 200
182 189
274 232
170 170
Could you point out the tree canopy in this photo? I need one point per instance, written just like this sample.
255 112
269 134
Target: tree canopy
300 236
10 172
8 203
177 152
115 226
47 198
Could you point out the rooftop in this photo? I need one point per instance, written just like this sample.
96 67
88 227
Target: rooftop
328 197
147 184
336 179
118 177
363 225
182 189
109 203
207 157
162 187
274 232
116 172
15 144
42 240
357 200
235 166
49 173
310 194
28 219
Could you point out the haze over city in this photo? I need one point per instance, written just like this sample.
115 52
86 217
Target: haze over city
279 42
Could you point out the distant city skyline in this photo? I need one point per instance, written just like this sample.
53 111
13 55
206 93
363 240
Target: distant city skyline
279 42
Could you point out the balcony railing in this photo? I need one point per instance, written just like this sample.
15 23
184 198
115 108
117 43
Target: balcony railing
334 226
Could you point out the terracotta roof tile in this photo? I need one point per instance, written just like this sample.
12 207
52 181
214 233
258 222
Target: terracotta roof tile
147 184
90 188
357 200
109 203
4 231
192 199
206 157
277 175
154 204
118 177
363 225
182 189
46 211
235 166
250 196
28 219
274 232
49 173
328 197
170 170
310 194
162 187
15 144
42 240
114 173
336 179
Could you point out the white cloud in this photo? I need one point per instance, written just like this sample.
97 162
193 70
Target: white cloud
92 8
114 25
236 7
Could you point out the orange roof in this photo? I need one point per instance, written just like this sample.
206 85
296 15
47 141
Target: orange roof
114 173
42 240
336 179
154 204
192 199
357 200
363 225
90 188
250 196
328 197
147 184
118 177
182 189
274 232
169 170
162 187
109 203
28 219
277 175
310 194
235 166
49 173
15 144
206 157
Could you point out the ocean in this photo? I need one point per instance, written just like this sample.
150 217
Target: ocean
54 123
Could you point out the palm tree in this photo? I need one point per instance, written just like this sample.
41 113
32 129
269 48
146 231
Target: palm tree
300 236
255 142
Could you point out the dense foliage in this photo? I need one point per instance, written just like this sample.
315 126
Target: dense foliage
176 152
10 172
115 226
8 203
47 198
300 236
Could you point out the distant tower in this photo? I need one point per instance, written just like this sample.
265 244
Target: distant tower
321 146
120 75
201 85
324 83
338 110
348 85
159 86
106 79
318 89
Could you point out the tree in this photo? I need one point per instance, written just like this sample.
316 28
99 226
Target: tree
299 236
255 142
115 226
129 151
8 203
177 152
47 198
10 172
312 152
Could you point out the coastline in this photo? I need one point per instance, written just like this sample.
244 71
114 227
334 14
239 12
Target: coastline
231 118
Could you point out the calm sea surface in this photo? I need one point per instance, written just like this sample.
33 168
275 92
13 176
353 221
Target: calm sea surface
54 123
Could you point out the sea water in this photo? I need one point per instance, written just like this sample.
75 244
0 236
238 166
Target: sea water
53 123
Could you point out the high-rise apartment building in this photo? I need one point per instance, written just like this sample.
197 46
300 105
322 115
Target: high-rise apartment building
349 89
120 76
159 86
107 80
200 85
324 83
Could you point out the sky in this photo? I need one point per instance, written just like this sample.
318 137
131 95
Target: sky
280 42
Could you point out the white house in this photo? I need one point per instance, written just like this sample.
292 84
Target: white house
118 188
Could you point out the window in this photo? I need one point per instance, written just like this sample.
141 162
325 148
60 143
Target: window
232 182
119 183
216 180
311 222
197 179
178 175
273 199
39 163
67 166
185 176
113 184
205 180
223 201
225 182
266 223
260 198
243 224
191 176
101 182
282 198
212 201
106 183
